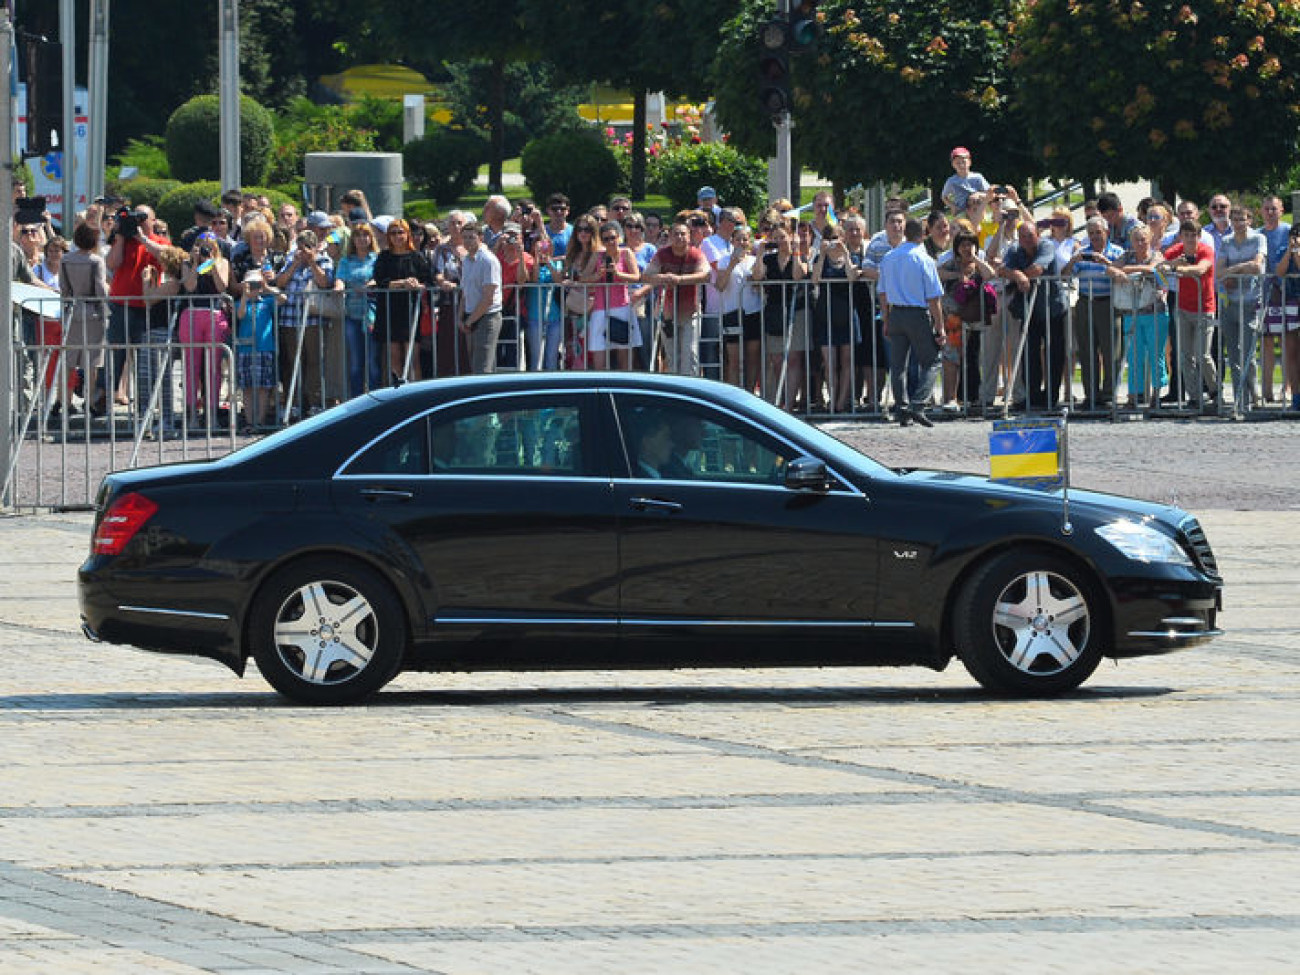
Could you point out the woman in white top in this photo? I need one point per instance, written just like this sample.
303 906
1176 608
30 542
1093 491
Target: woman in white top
742 307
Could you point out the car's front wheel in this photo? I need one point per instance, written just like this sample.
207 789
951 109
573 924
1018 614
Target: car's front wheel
1029 623
327 631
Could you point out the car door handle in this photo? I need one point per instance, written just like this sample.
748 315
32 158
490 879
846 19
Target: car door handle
386 494
655 504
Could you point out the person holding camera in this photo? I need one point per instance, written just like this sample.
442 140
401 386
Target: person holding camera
133 246
1192 261
205 276
610 268
301 340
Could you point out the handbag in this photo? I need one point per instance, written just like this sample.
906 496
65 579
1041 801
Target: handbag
618 330
1281 318
1133 293
325 304
579 301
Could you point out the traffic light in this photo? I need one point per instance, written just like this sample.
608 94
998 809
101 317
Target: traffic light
774 68
44 94
804 29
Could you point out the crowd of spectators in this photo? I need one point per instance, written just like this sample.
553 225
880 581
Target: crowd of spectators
280 314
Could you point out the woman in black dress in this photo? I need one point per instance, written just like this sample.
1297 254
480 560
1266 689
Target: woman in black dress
401 275
832 270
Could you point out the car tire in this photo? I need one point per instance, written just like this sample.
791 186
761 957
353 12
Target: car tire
327 631
1029 624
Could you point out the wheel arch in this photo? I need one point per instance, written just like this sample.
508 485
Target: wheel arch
1091 573
407 592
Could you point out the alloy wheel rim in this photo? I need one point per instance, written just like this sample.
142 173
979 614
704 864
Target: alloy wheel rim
1041 623
326 632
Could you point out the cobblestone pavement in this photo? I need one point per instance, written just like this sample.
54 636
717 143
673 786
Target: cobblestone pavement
160 815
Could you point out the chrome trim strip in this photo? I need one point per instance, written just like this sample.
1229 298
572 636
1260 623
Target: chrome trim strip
861 624
160 611
1176 634
521 621
1183 621
560 621
445 476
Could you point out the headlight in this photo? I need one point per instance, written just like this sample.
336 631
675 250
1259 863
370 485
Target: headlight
1142 543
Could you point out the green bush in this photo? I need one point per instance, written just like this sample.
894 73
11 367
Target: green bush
148 155
741 181
177 207
445 163
194 134
422 210
305 127
575 162
141 191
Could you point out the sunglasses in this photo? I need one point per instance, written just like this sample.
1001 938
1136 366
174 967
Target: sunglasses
620 208
1218 206
396 232
559 208
1052 222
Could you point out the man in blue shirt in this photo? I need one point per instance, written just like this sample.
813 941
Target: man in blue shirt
909 293
1094 319
1042 308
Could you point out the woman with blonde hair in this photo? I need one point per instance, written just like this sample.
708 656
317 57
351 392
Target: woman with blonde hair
355 270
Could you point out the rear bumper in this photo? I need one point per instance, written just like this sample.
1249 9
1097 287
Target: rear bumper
153 620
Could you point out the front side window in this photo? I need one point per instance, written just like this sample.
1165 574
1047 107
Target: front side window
674 439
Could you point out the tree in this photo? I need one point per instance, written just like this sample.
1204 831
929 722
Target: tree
1193 95
428 32
887 92
666 45
537 105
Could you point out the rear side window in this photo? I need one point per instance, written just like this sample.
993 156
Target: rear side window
538 440
404 451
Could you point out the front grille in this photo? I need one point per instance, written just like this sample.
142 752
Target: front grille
1199 545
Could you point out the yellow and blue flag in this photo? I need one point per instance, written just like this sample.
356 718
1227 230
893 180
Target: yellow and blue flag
1026 451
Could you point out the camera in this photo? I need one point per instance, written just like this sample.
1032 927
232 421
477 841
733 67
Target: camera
29 210
129 221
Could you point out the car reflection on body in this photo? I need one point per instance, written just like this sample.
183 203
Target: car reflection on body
586 520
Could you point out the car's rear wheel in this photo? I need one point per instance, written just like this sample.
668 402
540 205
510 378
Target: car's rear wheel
327 631
1029 623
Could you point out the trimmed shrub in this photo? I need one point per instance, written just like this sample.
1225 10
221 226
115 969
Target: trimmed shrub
741 181
444 163
141 191
177 207
305 127
194 133
575 162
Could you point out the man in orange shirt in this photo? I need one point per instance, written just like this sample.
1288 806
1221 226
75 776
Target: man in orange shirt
1192 260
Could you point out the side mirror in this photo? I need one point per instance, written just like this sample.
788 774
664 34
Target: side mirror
807 474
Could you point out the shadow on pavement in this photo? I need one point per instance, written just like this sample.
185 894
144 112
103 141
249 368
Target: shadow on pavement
665 696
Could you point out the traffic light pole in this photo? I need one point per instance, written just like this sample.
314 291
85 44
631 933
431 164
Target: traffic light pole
778 168
7 316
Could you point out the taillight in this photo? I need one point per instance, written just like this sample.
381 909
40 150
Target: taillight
121 521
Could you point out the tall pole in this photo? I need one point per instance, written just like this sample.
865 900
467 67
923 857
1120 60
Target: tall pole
778 168
7 317
67 131
229 62
97 87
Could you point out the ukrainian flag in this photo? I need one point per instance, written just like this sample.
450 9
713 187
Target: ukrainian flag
1025 451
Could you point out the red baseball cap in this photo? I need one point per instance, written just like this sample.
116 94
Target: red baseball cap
960 151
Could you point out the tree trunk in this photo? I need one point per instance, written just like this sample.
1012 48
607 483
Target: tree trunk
637 189
497 114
